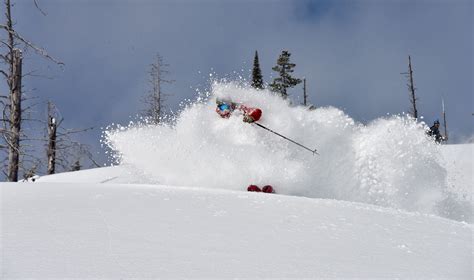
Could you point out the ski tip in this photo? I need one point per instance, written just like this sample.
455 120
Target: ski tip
315 152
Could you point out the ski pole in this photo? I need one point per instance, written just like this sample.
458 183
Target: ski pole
284 137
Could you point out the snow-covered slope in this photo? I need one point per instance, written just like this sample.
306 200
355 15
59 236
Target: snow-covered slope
59 230
120 174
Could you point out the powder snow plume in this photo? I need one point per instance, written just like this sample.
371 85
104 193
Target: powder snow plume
389 162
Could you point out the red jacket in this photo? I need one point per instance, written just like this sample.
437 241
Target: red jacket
251 114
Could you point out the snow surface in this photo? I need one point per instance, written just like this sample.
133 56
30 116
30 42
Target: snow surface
120 174
84 230
374 204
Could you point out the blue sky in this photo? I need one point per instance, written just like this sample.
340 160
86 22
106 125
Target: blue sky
351 52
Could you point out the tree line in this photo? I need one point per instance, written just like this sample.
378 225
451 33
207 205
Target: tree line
280 85
283 81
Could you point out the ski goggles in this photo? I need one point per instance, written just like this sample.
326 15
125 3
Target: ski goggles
223 107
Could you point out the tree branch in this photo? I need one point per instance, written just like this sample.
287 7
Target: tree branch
37 6
75 131
38 50
4 74
32 74
4 57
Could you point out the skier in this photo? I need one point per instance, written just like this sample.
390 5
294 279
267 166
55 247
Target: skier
225 109
434 132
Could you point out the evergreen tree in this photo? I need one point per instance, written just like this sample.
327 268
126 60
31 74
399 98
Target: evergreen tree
257 78
285 80
76 166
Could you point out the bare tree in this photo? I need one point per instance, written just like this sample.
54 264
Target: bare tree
411 88
305 96
12 103
155 99
13 137
12 106
62 150
52 136
444 122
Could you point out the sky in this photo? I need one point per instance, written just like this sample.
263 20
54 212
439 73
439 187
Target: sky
352 54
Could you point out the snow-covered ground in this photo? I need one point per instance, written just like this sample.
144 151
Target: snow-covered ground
85 230
380 201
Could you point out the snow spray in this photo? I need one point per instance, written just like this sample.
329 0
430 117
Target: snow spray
389 162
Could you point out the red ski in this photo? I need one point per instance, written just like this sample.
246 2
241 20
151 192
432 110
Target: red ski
265 189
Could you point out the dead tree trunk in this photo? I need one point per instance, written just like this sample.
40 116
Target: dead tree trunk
411 87
444 123
15 116
52 135
304 92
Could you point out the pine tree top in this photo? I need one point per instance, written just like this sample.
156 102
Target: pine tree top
285 80
257 78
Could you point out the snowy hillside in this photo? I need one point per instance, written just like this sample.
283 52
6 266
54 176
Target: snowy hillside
380 201
85 230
